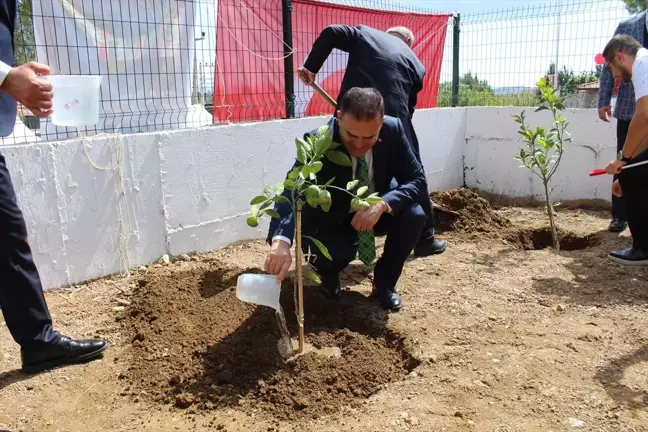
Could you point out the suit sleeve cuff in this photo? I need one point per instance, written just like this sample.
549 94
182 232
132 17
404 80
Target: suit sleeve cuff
4 71
283 239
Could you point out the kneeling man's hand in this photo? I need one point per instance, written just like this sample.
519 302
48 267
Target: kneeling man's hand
365 220
279 260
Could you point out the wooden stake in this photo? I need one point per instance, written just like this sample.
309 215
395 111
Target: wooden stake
300 284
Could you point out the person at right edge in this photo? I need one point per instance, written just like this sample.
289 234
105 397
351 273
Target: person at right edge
21 294
628 60
386 62
634 26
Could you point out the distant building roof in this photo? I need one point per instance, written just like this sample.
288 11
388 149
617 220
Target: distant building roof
589 86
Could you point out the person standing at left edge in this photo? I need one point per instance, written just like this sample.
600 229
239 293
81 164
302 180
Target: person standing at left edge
21 294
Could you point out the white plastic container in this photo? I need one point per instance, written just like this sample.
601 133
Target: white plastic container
259 289
76 99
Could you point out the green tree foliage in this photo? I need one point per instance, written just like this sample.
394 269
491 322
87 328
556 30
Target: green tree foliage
635 6
477 92
568 81
24 42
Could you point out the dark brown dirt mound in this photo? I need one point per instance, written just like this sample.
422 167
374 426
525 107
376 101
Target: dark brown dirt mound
540 238
462 210
196 346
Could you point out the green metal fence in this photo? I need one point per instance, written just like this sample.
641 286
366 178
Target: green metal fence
500 55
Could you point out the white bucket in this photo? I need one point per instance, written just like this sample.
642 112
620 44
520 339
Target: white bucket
259 289
76 99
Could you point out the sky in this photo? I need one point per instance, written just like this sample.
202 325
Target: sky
510 43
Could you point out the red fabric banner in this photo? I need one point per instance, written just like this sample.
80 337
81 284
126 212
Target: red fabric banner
249 75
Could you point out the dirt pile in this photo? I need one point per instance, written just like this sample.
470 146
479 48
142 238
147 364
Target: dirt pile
196 346
463 211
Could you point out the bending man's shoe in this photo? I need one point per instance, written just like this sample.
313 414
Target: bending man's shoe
617 225
430 246
65 351
630 256
389 299
331 286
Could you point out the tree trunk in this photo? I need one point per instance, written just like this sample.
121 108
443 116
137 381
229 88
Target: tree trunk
552 224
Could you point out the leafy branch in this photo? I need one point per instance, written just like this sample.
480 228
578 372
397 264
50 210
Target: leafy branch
544 148
302 182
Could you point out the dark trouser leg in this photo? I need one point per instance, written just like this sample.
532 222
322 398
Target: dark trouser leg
21 295
403 231
341 244
424 202
619 204
634 183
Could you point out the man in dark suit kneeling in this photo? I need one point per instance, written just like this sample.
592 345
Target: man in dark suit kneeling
380 152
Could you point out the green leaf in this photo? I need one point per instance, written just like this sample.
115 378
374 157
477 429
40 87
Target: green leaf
316 167
312 195
292 175
281 200
373 200
324 200
279 188
321 247
542 108
362 191
323 131
302 150
335 145
269 191
312 276
329 182
312 176
305 171
266 204
258 200
289 184
272 213
352 185
339 158
326 206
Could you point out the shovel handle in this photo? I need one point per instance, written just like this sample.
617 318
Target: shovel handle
325 95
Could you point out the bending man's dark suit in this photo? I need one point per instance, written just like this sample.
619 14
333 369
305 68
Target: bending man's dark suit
392 158
378 60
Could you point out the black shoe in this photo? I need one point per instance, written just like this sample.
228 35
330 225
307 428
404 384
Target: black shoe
389 299
65 351
617 225
331 286
430 246
630 256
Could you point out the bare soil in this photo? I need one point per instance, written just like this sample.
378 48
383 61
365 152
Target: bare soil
500 333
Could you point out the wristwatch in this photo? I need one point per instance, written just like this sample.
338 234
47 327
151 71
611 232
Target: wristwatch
625 159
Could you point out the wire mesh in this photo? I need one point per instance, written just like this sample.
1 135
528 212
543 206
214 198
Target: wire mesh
164 66
503 53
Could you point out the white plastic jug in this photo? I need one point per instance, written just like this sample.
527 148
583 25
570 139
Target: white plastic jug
76 99
259 289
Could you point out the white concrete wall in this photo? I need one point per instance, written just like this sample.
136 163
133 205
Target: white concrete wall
492 140
189 190
112 203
